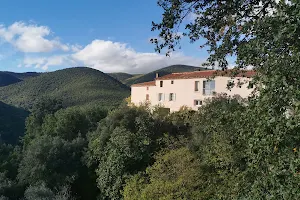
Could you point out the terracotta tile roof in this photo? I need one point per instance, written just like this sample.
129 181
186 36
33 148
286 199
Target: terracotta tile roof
150 83
205 74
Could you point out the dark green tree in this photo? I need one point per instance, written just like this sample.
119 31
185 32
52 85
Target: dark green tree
52 160
9 162
216 142
174 175
264 35
124 144
41 192
43 107
55 149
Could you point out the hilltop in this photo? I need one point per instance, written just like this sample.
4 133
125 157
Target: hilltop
163 71
120 76
7 79
74 86
12 123
23 76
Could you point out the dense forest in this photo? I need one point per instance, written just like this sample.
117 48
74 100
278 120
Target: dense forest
231 148
7 79
134 153
78 86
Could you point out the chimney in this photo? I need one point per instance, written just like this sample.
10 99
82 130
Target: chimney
156 76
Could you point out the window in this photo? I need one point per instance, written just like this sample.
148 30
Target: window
147 97
160 96
197 102
161 83
147 88
197 85
209 87
250 85
172 82
230 84
172 97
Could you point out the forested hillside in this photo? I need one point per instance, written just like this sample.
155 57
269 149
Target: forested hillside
7 79
161 72
120 76
12 123
24 75
75 86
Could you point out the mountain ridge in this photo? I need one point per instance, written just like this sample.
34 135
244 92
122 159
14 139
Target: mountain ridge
75 86
161 72
7 79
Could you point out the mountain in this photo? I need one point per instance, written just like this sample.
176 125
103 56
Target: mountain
12 123
161 72
7 79
120 76
74 86
23 76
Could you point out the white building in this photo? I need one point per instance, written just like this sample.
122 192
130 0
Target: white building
189 88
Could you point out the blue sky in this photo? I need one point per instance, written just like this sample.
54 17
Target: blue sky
107 35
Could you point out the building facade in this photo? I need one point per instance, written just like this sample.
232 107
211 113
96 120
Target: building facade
190 88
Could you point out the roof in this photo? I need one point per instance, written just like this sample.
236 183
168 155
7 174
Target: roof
207 74
150 83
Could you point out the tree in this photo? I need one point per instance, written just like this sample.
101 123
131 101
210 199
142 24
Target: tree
43 107
217 143
174 175
124 144
41 192
52 160
271 121
9 161
55 149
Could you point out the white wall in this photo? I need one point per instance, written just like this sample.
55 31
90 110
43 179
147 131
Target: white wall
184 89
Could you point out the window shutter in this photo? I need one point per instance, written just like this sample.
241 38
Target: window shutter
174 96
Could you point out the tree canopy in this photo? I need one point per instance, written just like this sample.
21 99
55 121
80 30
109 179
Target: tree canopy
263 35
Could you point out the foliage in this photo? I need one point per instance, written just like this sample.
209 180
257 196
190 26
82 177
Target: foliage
74 86
58 145
217 143
41 192
163 71
120 76
52 160
270 128
174 175
12 123
9 162
124 144
42 108
23 76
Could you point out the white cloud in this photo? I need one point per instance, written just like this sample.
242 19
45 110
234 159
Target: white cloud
108 56
111 56
76 47
105 55
45 62
30 38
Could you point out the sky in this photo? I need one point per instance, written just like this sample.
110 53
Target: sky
111 36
